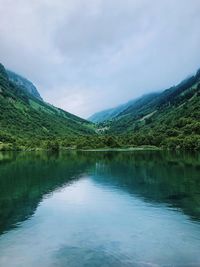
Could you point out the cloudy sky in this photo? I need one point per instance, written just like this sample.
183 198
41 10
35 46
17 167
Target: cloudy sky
88 55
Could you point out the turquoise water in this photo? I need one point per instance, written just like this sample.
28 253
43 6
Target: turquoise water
93 209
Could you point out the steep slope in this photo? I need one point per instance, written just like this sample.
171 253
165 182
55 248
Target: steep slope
105 115
24 118
172 117
24 84
109 114
153 106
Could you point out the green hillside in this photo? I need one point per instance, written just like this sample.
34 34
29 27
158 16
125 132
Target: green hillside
170 119
27 121
112 113
105 115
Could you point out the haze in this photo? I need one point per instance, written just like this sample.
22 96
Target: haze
85 56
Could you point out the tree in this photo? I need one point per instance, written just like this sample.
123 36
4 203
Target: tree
53 146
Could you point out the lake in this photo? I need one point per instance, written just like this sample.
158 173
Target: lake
91 209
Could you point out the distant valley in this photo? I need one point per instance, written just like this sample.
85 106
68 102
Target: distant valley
169 119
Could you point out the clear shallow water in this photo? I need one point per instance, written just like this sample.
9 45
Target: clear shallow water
99 209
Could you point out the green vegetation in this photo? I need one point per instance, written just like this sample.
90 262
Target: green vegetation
169 120
109 114
27 122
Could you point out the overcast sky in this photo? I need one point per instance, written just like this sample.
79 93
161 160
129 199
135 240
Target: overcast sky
88 55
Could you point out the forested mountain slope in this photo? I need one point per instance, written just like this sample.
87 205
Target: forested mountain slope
25 118
111 114
169 119
172 117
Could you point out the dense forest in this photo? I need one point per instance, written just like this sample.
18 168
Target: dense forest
169 120
27 122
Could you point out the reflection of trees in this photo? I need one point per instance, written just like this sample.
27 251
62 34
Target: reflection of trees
160 177
155 176
26 177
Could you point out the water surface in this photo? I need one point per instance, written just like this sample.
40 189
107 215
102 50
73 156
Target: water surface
118 209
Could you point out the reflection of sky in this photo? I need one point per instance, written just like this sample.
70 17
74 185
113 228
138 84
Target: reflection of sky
90 223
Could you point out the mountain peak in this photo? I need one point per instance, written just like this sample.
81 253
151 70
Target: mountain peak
25 84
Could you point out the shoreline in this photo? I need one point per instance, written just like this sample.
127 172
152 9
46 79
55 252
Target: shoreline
139 148
123 149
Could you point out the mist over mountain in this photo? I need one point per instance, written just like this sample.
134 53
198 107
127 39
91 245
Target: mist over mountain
112 113
99 133
24 84
169 119
114 51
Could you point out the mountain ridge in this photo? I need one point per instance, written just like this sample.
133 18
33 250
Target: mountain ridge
24 83
169 119
108 114
26 119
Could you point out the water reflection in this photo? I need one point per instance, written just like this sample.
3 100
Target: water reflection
154 176
159 177
26 177
90 209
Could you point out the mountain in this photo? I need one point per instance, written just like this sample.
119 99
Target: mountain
168 119
112 113
171 117
109 114
24 84
105 115
25 118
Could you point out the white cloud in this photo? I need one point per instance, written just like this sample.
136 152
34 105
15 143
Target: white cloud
87 55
